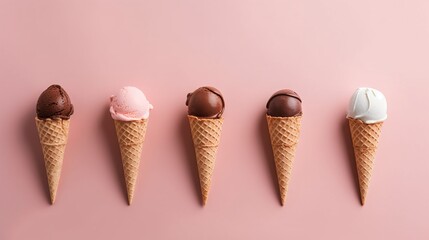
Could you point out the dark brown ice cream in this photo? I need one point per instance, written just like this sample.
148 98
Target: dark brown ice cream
54 103
284 103
205 102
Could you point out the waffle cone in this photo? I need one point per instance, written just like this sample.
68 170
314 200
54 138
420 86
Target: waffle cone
284 135
206 137
53 134
365 141
131 135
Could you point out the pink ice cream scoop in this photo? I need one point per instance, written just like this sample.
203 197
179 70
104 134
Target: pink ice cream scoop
129 104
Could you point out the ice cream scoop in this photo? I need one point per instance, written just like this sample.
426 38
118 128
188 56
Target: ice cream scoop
284 103
368 105
129 104
205 102
54 103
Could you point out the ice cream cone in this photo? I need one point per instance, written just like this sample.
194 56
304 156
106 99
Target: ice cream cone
365 140
284 135
206 137
131 135
53 136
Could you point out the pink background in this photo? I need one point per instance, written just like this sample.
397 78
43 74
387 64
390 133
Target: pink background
248 49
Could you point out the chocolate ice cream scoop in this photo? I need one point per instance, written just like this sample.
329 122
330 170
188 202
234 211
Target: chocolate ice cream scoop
284 103
205 102
54 103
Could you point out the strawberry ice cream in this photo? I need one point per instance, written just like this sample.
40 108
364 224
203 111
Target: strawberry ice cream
129 104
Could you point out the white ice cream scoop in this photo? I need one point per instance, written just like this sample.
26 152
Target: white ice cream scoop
368 105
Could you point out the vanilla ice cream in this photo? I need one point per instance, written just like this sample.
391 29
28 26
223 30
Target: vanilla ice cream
368 105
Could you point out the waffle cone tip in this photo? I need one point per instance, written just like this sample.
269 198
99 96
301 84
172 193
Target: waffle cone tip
53 187
52 198
282 200
52 191
362 198
130 194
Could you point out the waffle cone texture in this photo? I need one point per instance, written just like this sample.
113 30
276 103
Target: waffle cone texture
131 136
206 137
365 139
284 135
53 134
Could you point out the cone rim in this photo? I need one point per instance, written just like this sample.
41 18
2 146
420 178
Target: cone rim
360 121
140 120
204 119
280 118
51 119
